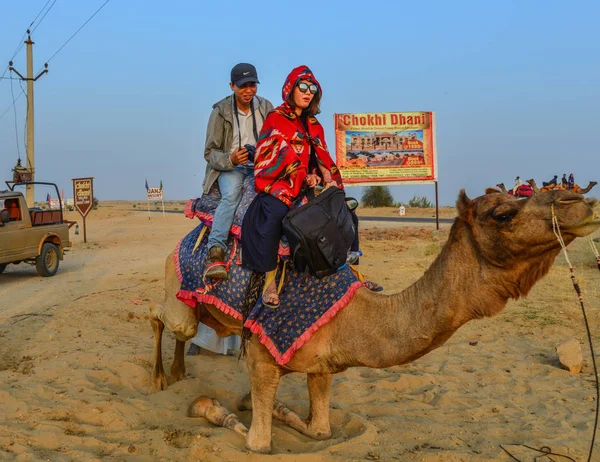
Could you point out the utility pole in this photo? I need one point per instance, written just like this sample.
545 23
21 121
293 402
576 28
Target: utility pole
30 161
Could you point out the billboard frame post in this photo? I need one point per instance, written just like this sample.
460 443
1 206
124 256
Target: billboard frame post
437 209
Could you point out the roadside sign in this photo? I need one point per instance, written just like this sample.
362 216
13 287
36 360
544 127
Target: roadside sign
83 193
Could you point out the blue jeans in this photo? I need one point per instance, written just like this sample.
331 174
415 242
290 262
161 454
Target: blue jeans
230 185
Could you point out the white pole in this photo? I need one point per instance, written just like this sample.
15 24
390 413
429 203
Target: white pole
163 204
148 207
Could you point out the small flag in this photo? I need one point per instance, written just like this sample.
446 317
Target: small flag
146 184
160 184
48 197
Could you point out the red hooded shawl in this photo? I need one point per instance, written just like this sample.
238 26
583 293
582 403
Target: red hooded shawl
283 149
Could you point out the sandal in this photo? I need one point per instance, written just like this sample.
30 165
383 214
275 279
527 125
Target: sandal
373 286
270 297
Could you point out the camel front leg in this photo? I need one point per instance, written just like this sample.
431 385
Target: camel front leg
319 392
317 425
178 366
264 380
159 378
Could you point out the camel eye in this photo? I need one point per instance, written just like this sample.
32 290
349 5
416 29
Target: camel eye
503 217
503 214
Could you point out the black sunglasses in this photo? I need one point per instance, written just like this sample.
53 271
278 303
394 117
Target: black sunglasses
304 87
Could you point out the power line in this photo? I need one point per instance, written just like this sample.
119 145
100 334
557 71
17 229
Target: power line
15 112
10 106
38 15
42 19
77 31
26 119
56 52
22 41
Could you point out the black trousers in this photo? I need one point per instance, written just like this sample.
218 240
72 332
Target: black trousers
261 232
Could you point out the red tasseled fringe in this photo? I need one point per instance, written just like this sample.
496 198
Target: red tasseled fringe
187 297
176 258
188 209
190 298
282 359
207 219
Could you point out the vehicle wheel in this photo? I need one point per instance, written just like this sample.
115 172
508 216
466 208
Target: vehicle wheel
2 268
46 262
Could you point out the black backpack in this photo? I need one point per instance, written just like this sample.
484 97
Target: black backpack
320 233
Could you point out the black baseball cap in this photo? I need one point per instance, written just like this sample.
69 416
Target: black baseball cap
243 73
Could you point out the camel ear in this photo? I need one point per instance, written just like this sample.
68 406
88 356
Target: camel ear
492 191
464 205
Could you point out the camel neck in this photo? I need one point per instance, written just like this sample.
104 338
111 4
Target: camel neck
454 290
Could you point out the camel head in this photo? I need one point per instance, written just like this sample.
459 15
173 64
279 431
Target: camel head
516 234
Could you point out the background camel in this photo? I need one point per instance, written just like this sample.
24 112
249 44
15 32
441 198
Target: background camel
498 248
519 193
578 189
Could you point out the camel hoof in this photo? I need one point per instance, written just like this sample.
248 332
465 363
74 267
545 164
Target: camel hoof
320 436
158 384
177 376
258 449
245 402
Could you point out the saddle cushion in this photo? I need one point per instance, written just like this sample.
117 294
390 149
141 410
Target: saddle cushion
306 303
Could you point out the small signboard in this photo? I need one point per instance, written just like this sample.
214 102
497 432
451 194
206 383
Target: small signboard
154 194
54 204
83 193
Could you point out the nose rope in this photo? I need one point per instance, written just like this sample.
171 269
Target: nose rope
556 229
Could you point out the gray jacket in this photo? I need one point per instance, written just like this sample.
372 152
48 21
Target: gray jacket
219 136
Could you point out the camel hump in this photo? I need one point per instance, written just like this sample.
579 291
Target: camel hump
492 191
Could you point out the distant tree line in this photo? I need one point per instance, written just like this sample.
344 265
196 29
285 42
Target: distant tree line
380 196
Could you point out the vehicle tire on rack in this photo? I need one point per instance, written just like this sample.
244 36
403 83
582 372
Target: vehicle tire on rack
2 267
46 262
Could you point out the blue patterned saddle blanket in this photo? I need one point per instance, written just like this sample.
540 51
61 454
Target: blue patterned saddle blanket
306 303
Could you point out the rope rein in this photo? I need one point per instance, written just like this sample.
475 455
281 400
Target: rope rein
546 450
557 233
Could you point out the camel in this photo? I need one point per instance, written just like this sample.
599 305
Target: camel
577 189
504 191
497 249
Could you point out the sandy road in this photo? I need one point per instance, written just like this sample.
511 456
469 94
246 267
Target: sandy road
121 251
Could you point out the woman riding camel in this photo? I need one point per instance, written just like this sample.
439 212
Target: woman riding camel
290 153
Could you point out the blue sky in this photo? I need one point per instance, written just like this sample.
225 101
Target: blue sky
514 84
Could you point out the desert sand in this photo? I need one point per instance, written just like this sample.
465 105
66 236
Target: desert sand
76 352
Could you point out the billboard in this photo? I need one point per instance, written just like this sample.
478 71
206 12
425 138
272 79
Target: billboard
386 147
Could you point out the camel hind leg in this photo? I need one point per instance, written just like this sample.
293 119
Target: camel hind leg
178 366
178 318
159 378
317 425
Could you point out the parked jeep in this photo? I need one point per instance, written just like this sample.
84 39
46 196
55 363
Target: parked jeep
31 235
